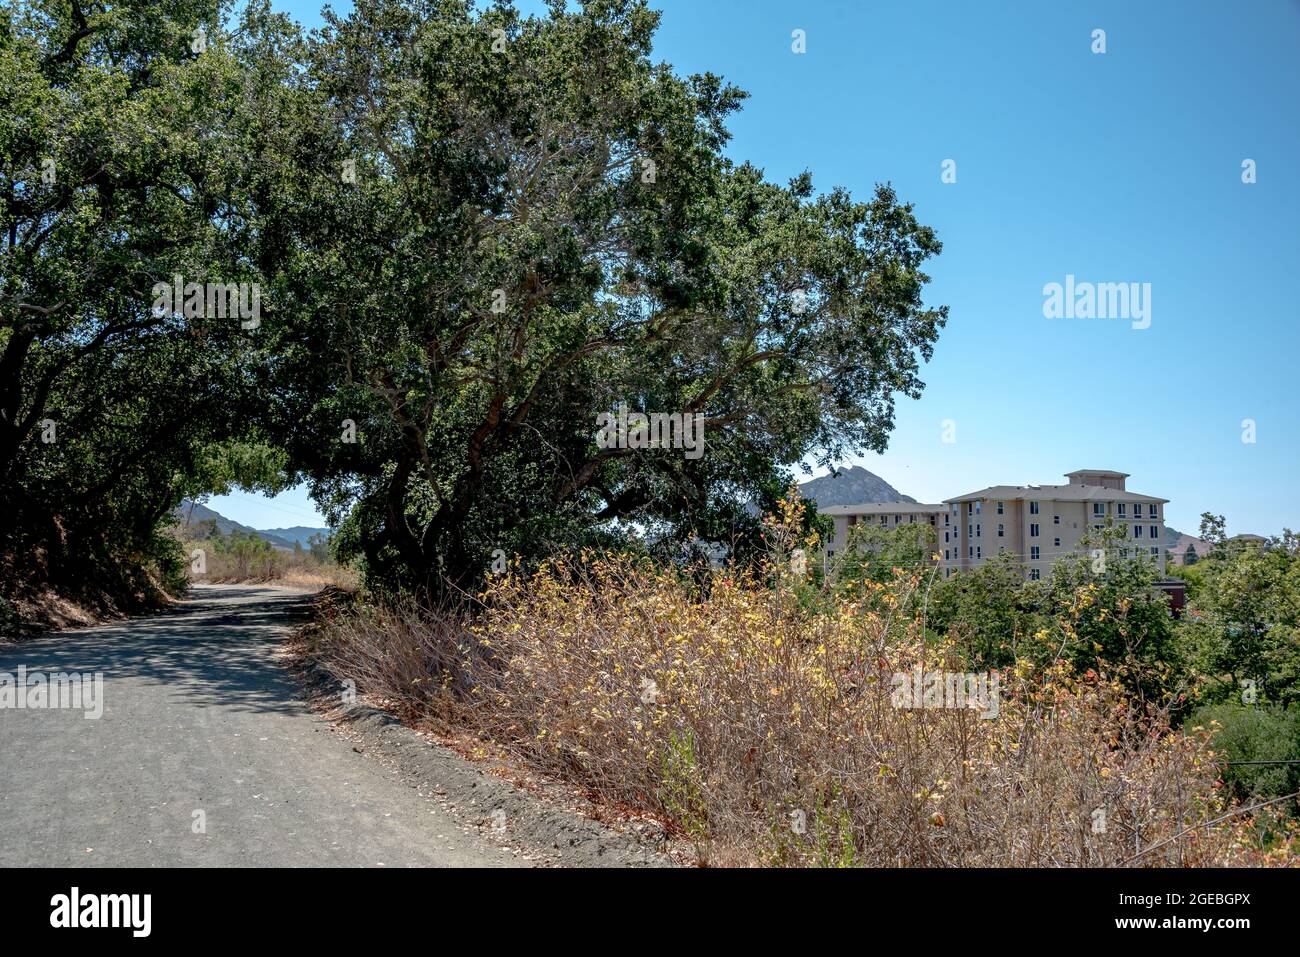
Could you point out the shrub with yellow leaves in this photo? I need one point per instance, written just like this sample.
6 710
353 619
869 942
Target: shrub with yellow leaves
764 730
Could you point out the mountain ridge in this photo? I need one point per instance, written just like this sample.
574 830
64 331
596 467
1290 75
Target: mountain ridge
295 533
190 514
852 486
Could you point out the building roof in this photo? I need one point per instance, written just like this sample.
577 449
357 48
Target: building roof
881 508
1055 493
1103 472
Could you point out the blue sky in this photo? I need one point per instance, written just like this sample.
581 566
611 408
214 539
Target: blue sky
1117 167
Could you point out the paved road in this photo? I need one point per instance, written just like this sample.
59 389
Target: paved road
199 716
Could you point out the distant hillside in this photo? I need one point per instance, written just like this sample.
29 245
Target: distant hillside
852 486
298 533
189 514
1176 543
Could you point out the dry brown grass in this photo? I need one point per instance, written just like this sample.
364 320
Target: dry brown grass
267 566
325 576
767 733
312 578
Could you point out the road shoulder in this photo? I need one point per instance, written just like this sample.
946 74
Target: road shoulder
545 821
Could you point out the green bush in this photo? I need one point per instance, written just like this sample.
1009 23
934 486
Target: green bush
1255 733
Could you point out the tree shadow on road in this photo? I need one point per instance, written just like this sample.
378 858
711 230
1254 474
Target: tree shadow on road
219 647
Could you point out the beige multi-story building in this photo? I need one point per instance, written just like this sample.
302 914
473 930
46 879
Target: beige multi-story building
1040 523
884 514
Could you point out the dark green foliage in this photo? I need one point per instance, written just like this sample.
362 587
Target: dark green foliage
1243 621
1098 609
876 552
1255 733
474 232
122 155
991 611
536 233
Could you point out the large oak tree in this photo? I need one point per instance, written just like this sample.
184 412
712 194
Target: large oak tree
124 131
504 226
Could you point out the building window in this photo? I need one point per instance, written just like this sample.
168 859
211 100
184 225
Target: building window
1034 574
945 554
1137 531
1151 511
1033 508
1119 509
1000 530
979 553
1155 531
1098 509
1056 520
1033 553
977 507
945 518
999 508
970 531
1033 529
911 519
970 551
1056 542
853 520
898 519
979 532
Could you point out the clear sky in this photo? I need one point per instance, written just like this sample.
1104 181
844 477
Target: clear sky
1123 166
